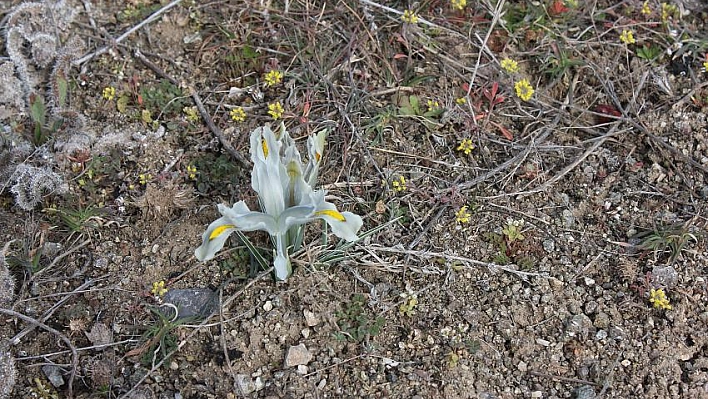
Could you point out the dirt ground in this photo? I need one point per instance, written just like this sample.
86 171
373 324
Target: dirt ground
515 245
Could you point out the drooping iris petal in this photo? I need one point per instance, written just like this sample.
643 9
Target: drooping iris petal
344 224
214 238
248 220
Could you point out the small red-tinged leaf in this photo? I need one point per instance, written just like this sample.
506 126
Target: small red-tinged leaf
495 89
479 117
499 100
557 8
140 100
504 131
607 110
303 119
399 56
306 109
466 87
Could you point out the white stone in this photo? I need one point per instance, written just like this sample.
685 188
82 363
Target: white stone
310 318
268 306
297 355
522 366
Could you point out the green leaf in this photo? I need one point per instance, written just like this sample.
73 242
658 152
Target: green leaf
63 91
415 104
38 111
248 52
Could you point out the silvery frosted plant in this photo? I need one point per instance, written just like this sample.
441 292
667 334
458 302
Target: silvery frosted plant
7 294
8 373
287 197
32 183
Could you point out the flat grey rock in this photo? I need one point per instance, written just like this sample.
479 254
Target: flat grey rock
191 302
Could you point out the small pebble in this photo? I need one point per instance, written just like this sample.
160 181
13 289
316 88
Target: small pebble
268 306
297 355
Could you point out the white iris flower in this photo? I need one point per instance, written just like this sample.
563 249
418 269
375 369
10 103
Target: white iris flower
287 198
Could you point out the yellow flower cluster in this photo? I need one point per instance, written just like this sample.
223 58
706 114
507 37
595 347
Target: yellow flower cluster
409 17
627 37
109 93
192 172
659 300
191 113
144 178
646 10
400 184
459 4
275 110
705 66
668 11
461 101
466 146
158 288
509 65
273 77
523 89
433 105
238 114
463 215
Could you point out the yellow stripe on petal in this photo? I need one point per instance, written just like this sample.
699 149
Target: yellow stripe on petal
220 230
265 148
331 213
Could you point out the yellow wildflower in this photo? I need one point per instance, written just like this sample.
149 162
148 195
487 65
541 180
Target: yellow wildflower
705 66
144 178
627 37
461 101
238 114
646 10
433 105
659 300
509 65
409 17
192 172
191 113
275 110
109 93
273 77
523 89
466 146
668 11
463 216
400 184
459 4
158 288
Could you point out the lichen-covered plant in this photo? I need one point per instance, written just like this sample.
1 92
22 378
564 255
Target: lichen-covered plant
287 198
7 295
38 46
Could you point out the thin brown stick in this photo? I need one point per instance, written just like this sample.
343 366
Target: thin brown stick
564 379
74 354
202 110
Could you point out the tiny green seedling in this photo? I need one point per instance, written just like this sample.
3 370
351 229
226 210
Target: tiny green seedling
355 324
